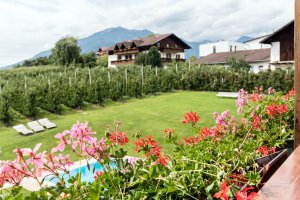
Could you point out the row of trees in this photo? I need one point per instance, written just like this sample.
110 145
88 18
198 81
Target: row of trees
26 91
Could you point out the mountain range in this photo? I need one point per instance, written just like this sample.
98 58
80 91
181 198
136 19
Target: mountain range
110 36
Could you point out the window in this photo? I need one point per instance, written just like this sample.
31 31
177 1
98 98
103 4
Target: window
234 48
167 45
168 56
130 57
119 57
214 49
178 56
230 48
158 44
260 67
176 46
126 57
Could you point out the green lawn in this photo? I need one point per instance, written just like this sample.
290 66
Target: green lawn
149 115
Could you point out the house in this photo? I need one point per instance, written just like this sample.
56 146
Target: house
230 46
254 43
258 59
170 47
220 46
282 46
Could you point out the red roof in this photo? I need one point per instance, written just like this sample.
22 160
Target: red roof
257 55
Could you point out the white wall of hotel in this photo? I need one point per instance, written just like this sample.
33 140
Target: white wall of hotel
255 44
220 46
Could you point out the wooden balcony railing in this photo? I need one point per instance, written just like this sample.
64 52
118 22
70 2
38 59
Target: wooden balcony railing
285 183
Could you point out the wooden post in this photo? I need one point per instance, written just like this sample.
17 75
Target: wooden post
297 74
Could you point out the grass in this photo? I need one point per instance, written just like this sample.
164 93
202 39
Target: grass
149 115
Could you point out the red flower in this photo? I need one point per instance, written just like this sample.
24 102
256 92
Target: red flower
155 151
162 160
205 132
191 117
256 121
168 132
242 195
223 193
192 140
98 174
257 97
265 151
289 94
118 138
274 110
148 145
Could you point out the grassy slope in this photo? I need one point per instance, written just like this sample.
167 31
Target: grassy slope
149 115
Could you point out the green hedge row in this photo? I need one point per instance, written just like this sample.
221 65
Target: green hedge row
51 88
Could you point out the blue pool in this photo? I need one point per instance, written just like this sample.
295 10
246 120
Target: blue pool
86 174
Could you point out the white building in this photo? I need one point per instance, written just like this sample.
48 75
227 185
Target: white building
282 42
258 59
255 43
230 46
220 46
170 47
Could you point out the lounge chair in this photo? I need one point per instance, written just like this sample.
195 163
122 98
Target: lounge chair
228 94
46 123
35 126
22 129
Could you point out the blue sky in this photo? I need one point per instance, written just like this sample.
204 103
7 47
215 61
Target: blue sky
30 26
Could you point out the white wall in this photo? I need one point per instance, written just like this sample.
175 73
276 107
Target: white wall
275 52
221 46
260 66
112 58
255 44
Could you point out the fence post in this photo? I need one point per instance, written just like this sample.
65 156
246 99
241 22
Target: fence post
142 74
70 83
49 84
155 70
189 65
90 76
108 75
176 68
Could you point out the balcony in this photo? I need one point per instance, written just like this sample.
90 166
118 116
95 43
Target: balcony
166 60
285 183
122 62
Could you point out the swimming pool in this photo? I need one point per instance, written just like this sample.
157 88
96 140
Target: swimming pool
86 174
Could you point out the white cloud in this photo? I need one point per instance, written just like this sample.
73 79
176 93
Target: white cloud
28 27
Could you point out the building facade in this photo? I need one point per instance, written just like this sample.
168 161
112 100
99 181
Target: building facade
258 59
169 45
220 46
282 46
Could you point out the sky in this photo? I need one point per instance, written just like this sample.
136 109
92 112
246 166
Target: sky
30 26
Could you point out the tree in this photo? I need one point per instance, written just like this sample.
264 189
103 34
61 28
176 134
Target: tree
140 59
103 61
153 57
88 59
66 51
238 64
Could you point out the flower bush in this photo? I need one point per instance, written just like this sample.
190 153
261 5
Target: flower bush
212 163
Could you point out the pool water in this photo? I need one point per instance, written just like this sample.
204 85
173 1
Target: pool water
86 174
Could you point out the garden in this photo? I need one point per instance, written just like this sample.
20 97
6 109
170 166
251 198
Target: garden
212 162
186 144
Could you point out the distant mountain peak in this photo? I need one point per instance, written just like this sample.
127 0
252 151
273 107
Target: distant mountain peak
244 38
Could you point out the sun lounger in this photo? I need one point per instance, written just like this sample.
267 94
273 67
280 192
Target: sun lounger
46 123
228 94
35 126
22 129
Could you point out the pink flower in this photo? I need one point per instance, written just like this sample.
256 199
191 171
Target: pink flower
271 90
